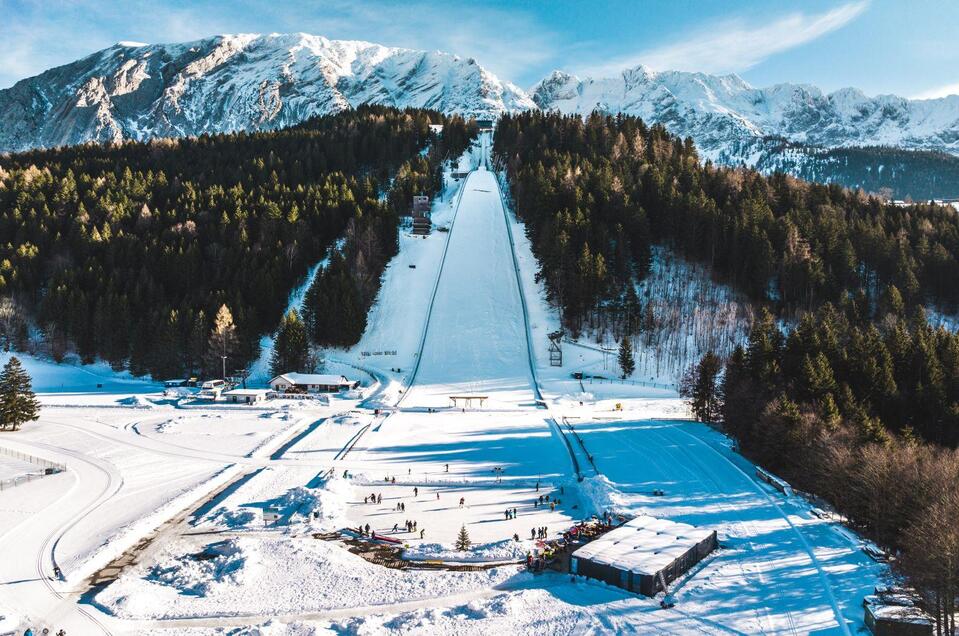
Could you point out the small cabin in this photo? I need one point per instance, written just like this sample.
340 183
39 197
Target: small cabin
421 205
248 396
299 383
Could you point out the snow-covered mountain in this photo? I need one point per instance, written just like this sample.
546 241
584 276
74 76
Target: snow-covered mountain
730 120
252 82
236 82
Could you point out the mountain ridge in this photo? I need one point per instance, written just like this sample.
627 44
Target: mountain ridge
244 82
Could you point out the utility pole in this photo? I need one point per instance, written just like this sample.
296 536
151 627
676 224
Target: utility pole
223 358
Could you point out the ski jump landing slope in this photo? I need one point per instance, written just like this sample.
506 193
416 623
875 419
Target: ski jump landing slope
476 337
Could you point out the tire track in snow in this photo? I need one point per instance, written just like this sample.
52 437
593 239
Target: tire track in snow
823 577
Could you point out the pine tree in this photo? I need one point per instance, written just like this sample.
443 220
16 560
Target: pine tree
700 387
223 340
18 404
463 542
626 362
291 349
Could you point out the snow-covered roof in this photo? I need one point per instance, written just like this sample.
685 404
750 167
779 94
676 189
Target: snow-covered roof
644 545
312 378
243 392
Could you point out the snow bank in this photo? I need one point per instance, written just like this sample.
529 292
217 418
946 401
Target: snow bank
274 576
505 550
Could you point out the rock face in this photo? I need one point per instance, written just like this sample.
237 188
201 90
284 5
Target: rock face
731 121
236 82
255 82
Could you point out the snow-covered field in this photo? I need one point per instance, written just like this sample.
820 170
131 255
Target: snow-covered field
229 506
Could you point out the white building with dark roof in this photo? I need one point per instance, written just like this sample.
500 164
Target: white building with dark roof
312 383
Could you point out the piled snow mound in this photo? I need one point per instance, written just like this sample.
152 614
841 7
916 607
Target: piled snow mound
223 564
505 550
136 402
300 508
275 575
599 494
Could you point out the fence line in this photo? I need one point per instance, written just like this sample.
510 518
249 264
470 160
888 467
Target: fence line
654 385
47 468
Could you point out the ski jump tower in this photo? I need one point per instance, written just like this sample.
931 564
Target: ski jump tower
555 348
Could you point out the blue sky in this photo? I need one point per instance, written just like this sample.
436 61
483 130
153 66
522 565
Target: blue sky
880 46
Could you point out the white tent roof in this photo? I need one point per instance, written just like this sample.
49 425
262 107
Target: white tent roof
247 392
311 378
644 545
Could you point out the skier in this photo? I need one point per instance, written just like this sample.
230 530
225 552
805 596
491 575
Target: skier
437 495
514 513
447 468
422 530
379 499
416 492
396 528
462 501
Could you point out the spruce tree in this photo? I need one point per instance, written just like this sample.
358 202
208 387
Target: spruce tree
291 349
18 404
463 542
626 363
223 340
705 392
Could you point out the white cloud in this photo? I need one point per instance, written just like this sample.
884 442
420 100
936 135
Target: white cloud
938 91
733 45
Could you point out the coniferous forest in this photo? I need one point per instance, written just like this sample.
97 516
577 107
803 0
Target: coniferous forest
127 252
843 387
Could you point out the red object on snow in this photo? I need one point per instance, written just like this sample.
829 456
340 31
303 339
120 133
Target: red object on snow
379 537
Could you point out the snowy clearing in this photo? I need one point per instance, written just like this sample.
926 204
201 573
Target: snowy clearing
233 510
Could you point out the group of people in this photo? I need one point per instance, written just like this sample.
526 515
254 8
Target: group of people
374 498
510 513
539 533
45 631
542 500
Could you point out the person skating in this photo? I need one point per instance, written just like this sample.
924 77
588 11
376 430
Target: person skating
396 528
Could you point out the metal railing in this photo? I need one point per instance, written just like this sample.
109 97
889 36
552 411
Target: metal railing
46 468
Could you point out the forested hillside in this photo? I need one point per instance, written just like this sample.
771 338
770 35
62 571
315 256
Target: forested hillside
596 193
843 386
128 252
